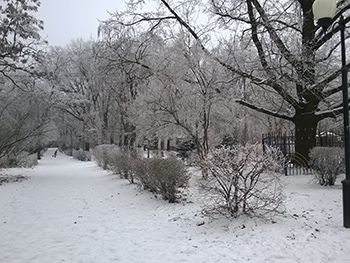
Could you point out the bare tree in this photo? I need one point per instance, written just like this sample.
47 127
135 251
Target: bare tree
127 56
24 116
184 95
82 94
182 92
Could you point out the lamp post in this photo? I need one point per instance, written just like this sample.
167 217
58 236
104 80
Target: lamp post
324 11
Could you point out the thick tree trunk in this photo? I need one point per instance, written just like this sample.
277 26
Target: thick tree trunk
129 137
305 137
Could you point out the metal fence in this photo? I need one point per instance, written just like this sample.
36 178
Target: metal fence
297 164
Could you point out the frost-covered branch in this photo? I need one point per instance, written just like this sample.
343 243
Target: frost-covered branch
265 111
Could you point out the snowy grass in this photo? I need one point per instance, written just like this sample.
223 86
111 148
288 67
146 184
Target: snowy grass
72 211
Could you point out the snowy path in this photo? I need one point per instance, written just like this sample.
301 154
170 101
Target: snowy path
71 211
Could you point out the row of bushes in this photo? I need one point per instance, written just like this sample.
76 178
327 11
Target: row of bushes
166 177
24 159
241 179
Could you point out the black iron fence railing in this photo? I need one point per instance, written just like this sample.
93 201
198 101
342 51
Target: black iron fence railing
297 164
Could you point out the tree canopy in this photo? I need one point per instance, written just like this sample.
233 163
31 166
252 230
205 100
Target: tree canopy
19 35
275 47
184 69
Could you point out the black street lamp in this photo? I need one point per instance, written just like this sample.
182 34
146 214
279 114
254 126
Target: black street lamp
324 11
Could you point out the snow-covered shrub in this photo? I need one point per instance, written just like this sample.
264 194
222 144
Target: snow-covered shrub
118 160
88 155
82 155
105 154
158 175
23 159
77 154
244 180
30 160
3 162
328 163
123 164
8 161
170 175
143 174
162 176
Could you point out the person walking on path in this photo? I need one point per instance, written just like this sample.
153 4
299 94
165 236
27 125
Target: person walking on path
55 153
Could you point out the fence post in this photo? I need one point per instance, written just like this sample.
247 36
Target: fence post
285 155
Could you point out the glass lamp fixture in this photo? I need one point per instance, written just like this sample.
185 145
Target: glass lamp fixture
324 11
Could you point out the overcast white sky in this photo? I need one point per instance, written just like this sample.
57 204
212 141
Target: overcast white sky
65 20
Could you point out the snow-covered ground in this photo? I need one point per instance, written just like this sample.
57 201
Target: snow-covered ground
72 211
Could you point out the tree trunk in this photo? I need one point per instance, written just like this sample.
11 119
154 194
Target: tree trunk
38 152
105 134
305 137
202 155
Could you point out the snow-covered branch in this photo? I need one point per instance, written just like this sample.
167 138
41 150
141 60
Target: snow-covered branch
265 111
